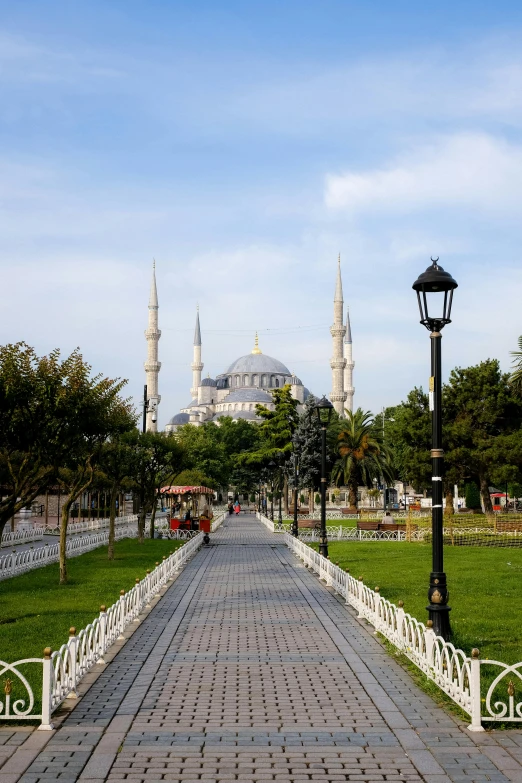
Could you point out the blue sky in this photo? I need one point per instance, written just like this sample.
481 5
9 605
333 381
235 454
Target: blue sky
243 145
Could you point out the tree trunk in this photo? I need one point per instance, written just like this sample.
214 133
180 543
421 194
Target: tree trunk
484 492
285 494
352 495
141 524
46 508
449 510
152 519
63 539
112 517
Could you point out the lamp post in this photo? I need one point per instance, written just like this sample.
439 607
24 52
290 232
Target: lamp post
280 490
435 287
295 525
272 466
148 405
324 411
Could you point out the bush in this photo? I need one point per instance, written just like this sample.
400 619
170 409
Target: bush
472 495
302 499
318 498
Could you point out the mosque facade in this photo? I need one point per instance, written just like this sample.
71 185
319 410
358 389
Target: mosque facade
249 380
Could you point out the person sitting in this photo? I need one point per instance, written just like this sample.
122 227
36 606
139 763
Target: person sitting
387 519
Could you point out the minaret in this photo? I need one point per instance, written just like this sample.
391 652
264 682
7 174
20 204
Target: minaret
350 364
338 362
197 364
152 366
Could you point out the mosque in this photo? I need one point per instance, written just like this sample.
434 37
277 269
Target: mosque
249 380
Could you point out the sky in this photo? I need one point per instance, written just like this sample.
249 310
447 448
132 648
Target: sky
243 145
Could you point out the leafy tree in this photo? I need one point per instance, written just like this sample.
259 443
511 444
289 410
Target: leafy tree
362 454
516 374
278 426
117 461
204 450
479 406
159 457
307 440
192 477
407 433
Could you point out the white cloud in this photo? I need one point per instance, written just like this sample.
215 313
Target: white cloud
466 170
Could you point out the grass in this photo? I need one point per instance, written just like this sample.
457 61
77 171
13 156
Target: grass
484 586
37 612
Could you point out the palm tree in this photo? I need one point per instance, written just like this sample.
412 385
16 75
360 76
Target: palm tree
516 375
362 454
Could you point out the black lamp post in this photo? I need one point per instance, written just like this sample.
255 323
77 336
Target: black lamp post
435 288
280 490
272 466
324 410
295 525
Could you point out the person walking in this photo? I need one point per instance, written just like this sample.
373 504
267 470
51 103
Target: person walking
230 509
237 508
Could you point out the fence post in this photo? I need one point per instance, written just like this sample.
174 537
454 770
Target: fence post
103 633
474 692
73 664
429 641
347 595
121 619
47 678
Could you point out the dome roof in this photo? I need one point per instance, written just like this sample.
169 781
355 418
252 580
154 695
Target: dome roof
295 381
306 393
248 395
180 418
258 362
221 383
208 382
193 404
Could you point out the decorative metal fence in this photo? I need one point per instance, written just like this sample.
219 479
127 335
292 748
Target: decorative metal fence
63 670
20 561
484 689
22 537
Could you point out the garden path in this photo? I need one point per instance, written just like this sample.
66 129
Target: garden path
250 669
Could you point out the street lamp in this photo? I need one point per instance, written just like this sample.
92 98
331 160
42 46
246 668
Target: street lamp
324 411
148 405
295 525
272 466
434 289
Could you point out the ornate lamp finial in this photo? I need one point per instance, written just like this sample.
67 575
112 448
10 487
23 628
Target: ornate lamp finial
256 348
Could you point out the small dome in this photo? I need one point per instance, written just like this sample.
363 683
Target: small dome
248 395
221 383
306 393
208 382
193 404
179 418
295 381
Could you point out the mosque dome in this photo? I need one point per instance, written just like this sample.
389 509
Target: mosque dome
180 418
208 382
295 381
258 363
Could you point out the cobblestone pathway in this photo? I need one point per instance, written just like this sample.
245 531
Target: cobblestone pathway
249 669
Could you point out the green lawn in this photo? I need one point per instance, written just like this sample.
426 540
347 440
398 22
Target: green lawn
484 586
36 612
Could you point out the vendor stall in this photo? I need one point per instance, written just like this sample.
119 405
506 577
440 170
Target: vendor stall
190 507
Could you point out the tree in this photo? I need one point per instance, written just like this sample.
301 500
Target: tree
472 495
479 406
100 413
278 425
117 461
307 440
407 434
204 450
516 374
192 477
362 455
159 457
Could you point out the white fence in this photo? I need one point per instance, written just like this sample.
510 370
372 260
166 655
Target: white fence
22 537
482 688
64 669
20 561
86 525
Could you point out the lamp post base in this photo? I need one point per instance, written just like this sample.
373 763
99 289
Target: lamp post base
438 608
323 547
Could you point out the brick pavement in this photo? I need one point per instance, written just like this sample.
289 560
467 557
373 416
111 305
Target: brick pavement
249 669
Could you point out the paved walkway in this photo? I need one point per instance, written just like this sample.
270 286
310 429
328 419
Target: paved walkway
249 669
